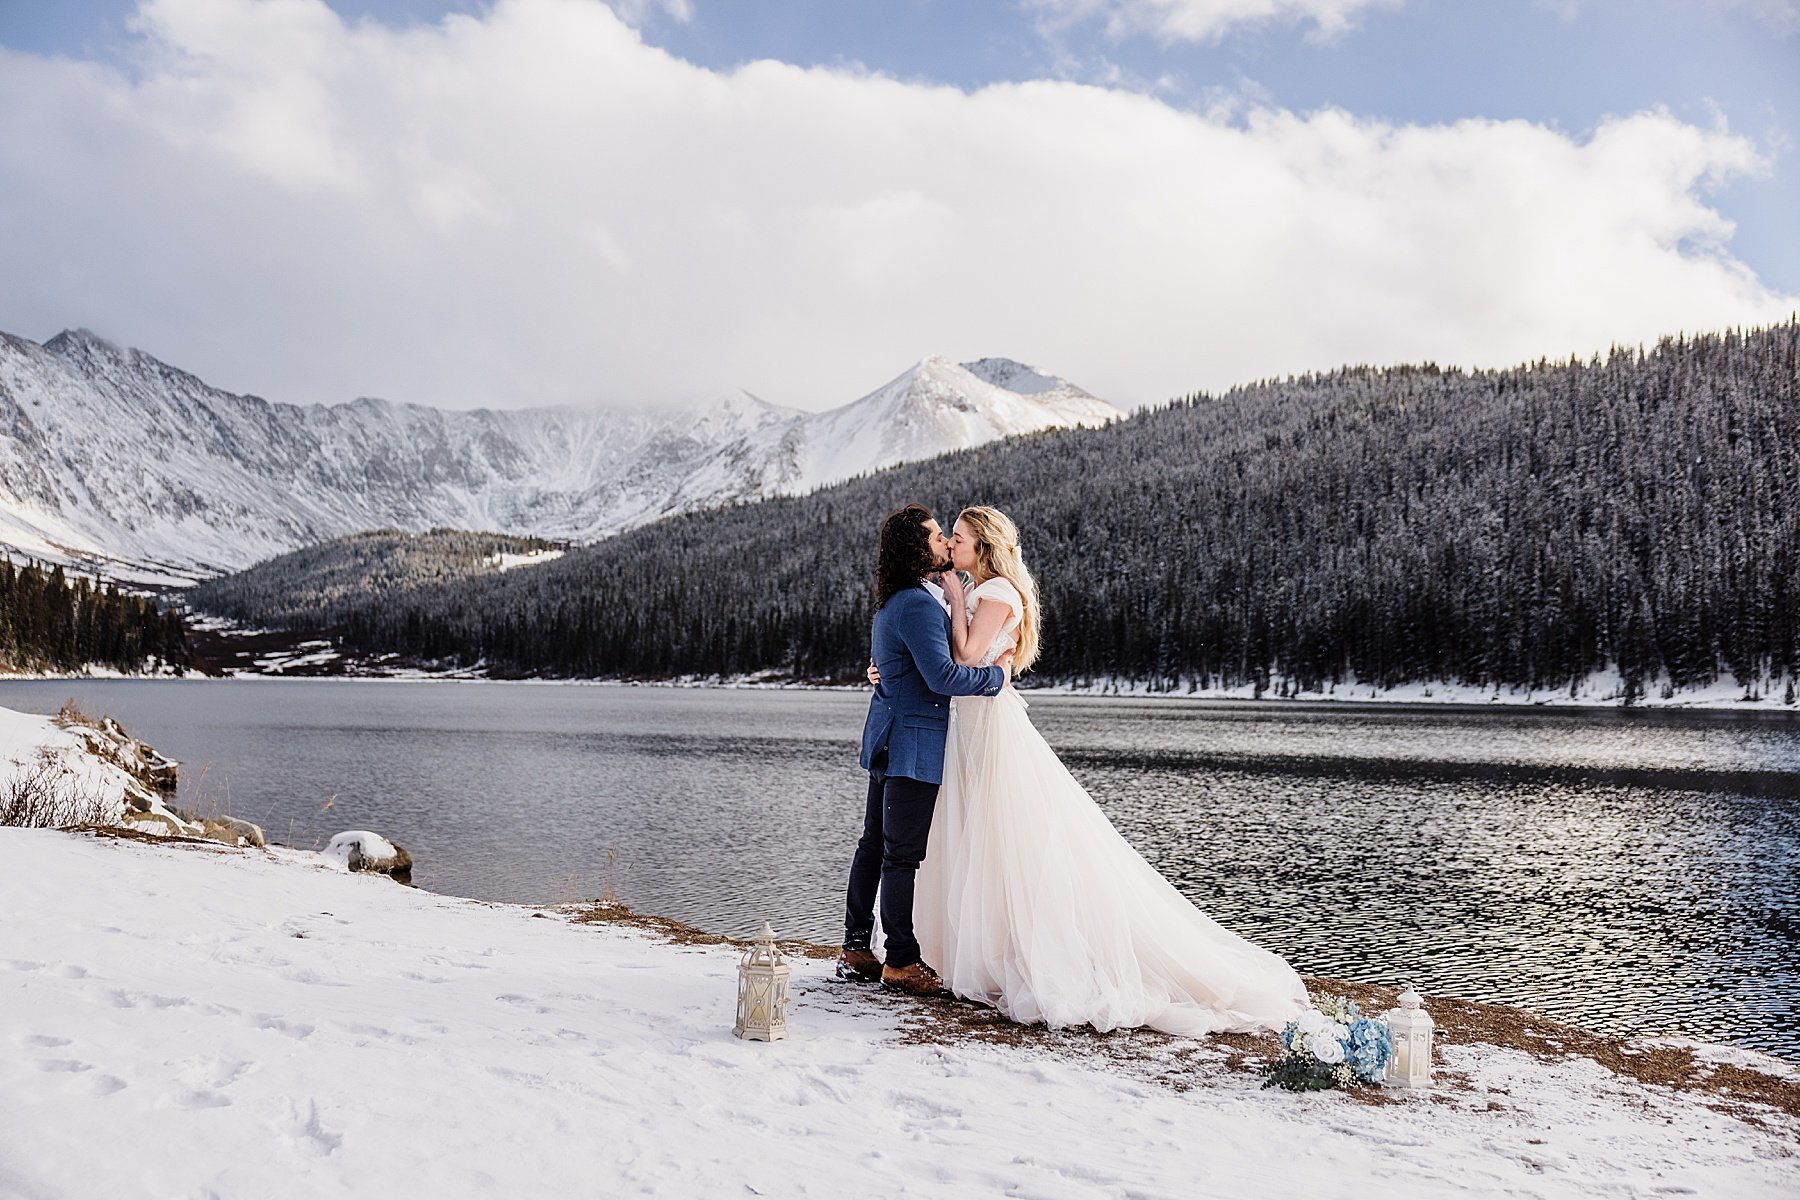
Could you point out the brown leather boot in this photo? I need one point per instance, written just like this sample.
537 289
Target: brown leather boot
858 965
915 978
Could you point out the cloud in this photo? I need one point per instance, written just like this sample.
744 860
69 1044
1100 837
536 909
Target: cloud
1209 20
1781 16
637 12
533 206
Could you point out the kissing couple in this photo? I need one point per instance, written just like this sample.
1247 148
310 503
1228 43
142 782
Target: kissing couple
1028 900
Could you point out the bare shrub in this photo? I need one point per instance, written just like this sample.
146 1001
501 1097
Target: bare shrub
42 796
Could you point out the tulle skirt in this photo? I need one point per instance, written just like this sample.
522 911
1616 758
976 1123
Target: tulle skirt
1029 900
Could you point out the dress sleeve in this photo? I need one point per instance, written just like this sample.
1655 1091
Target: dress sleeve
1002 591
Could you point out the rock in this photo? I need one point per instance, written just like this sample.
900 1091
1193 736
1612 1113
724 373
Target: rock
157 821
360 850
233 832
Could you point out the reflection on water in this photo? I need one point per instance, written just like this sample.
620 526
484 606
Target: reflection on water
1630 871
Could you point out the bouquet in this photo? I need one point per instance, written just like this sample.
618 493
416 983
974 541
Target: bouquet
1330 1046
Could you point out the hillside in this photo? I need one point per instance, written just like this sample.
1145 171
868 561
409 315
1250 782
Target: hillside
1525 527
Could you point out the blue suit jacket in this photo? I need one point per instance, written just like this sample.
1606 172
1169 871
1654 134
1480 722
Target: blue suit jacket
909 715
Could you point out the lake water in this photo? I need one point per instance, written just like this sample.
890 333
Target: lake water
1631 871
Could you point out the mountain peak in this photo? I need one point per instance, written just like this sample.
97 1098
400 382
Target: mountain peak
1017 377
83 340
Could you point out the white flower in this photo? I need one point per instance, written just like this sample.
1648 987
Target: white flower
1313 1021
1325 1048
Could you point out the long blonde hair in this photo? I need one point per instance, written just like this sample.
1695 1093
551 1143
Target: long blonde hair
997 553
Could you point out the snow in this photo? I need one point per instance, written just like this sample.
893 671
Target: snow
316 652
357 845
179 1020
931 408
507 562
1601 689
30 744
115 462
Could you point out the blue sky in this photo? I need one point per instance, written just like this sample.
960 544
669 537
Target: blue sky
1565 67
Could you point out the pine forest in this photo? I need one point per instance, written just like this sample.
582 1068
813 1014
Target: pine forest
50 624
1524 527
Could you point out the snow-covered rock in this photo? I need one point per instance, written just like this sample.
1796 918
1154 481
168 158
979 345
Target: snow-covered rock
114 460
233 831
360 850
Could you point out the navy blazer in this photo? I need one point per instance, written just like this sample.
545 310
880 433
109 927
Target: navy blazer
909 715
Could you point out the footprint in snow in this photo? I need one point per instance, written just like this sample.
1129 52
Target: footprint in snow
63 1065
195 1101
297 1030
305 1131
96 1086
522 1002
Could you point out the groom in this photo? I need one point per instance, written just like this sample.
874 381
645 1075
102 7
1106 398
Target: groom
903 746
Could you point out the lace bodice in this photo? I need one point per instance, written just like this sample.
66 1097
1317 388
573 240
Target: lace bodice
1000 591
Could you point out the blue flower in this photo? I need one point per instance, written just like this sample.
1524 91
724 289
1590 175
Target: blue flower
1368 1049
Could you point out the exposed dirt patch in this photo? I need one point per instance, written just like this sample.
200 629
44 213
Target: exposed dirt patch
1742 1092
611 912
121 833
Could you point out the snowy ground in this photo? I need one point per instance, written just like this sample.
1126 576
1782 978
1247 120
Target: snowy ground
180 1020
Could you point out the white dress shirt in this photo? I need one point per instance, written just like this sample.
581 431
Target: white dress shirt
937 593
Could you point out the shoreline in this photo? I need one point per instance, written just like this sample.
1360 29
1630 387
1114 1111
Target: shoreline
336 1031
1721 698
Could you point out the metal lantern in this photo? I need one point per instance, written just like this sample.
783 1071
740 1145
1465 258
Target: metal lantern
762 990
1410 1029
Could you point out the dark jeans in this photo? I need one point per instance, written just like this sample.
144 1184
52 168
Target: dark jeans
896 823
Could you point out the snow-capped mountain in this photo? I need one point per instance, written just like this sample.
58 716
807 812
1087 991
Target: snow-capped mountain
935 407
111 458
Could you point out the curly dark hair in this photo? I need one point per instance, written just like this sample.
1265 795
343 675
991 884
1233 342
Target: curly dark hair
905 551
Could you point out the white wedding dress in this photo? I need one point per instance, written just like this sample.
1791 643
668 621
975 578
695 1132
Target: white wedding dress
1029 899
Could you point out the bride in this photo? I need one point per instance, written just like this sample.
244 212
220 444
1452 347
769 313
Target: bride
1029 899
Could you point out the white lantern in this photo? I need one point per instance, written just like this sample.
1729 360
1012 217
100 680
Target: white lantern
1409 1028
762 990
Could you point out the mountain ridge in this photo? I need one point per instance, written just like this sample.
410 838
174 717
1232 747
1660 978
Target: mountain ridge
113 460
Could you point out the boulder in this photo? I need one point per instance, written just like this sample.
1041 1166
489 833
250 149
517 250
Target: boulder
156 821
360 850
233 832
150 814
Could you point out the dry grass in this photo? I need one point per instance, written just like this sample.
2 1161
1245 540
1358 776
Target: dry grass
124 833
42 796
71 713
1741 1092
1728 1087
612 912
